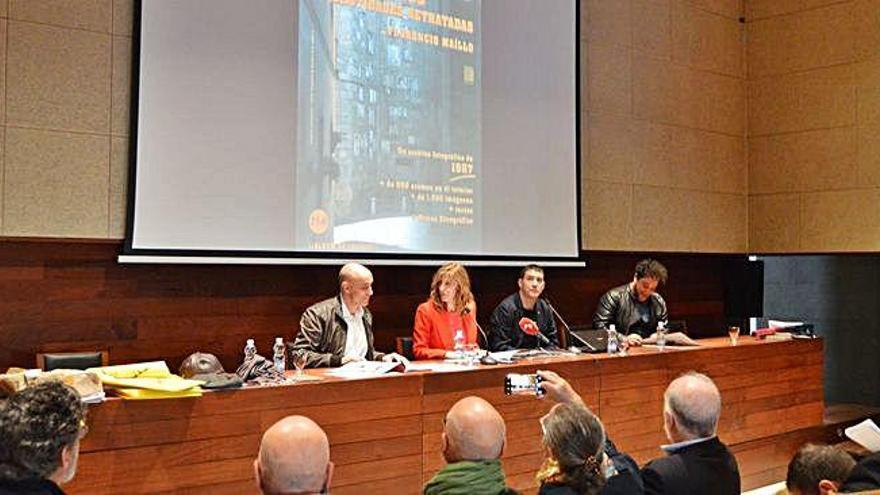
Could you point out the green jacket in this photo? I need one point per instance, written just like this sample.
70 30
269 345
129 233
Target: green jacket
469 478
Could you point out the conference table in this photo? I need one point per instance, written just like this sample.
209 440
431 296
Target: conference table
385 431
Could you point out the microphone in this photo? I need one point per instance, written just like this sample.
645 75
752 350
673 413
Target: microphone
487 359
467 311
568 328
529 327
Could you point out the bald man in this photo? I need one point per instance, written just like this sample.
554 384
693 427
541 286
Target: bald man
696 461
294 458
340 329
472 441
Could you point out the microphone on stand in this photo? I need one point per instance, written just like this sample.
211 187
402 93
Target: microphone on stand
529 327
568 328
487 359
467 311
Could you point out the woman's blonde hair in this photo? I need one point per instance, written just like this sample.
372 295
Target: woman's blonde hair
575 439
452 272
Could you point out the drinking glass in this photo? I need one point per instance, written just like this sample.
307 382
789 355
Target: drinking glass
299 362
471 354
733 332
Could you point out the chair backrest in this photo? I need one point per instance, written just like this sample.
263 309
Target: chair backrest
48 361
405 347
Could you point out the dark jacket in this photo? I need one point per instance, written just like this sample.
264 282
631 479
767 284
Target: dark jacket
702 468
865 476
626 482
322 333
30 487
504 331
620 307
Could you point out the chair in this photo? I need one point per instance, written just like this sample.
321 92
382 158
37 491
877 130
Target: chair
404 347
48 361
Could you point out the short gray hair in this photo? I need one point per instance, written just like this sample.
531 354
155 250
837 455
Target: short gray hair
695 402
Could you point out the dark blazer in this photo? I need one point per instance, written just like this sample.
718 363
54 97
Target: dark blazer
702 468
30 487
865 476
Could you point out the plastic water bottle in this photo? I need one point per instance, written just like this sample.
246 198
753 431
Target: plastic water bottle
458 343
661 335
250 350
613 343
278 359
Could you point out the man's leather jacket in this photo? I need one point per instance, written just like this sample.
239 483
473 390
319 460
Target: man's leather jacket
322 334
619 306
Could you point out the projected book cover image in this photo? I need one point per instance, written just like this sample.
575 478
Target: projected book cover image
389 125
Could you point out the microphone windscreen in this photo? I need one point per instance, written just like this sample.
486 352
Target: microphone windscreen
528 326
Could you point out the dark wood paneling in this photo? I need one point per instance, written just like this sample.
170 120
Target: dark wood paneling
73 295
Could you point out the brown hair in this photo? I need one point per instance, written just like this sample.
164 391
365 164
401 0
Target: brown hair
452 272
575 439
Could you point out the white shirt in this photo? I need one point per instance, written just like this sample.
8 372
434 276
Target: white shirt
356 335
675 447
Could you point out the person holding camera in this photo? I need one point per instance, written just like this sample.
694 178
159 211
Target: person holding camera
581 459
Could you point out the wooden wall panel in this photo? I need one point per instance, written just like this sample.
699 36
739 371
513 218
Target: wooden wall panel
67 295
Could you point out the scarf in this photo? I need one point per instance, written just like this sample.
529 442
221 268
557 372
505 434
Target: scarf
468 478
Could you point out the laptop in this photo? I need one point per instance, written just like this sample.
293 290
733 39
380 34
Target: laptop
588 339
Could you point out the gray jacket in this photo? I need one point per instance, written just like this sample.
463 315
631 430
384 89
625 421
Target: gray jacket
322 334
619 306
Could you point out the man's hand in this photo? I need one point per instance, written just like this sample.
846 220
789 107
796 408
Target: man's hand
634 339
558 389
393 356
348 359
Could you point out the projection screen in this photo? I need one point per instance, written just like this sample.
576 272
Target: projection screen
356 128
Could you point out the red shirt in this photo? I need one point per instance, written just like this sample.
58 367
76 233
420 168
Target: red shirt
434 330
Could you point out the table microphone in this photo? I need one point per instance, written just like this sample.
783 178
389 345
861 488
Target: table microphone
568 328
529 327
487 359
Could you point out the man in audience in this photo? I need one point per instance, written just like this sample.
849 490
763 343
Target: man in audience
340 329
294 457
635 308
864 476
40 430
523 311
696 461
472 441
818 470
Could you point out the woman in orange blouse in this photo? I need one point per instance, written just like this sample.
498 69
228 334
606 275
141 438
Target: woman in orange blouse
449 307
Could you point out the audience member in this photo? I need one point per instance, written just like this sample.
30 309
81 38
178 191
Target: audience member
472 441
294 458
582 460
818 470
40 431
696 462
864 476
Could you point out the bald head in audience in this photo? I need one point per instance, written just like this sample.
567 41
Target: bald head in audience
691 407
294 458
474 431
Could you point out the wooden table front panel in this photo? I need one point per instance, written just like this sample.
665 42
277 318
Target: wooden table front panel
385 432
